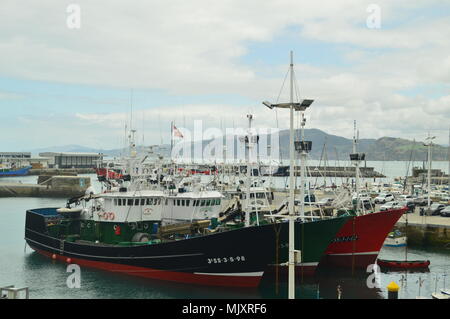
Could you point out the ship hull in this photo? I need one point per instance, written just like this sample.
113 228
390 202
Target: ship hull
312 240
219 259
358 243
236 258
15 172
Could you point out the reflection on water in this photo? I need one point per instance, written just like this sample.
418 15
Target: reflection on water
47 279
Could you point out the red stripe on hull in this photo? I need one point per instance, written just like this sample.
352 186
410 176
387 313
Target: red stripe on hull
359 261
182 277
363 236
303 270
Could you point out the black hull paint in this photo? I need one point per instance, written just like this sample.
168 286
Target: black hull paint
241 255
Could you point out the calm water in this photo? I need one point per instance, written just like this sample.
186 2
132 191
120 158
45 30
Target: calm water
20 266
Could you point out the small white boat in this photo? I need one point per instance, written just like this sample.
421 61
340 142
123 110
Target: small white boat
437 295
395 239
445 291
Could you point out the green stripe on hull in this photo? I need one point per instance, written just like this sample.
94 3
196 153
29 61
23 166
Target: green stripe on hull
311 238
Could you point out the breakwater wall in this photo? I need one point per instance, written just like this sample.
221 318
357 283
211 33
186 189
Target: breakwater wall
426 235
49 186
330 171
61 171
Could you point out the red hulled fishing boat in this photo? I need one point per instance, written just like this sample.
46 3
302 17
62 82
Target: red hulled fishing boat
358 243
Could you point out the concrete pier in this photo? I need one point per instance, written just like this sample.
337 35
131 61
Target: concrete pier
330 171
61 171
50 186
426 231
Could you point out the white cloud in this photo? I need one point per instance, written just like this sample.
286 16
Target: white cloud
193 47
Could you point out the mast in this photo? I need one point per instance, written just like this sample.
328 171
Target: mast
171 139
302 105
356 158
291 185
304 148
249 171
429 143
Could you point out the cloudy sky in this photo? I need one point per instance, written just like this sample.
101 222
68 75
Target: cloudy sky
216 61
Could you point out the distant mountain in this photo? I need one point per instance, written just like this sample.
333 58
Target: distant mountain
398 149
83 149
332 146
385 148
66 148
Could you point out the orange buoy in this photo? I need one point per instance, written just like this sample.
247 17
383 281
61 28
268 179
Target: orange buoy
69 260
54 256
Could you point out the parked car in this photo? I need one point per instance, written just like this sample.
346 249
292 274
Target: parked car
406 197
384 198
409 204
361 195
390 205
325 201
445 212
435 209
421 201
366 203
310 198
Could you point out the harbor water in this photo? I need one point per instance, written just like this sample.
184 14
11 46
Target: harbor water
20 266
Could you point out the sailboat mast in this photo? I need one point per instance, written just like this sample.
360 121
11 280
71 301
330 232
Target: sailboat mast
448 159
430 143
171 138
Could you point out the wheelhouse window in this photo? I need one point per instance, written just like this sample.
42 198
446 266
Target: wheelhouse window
130 202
